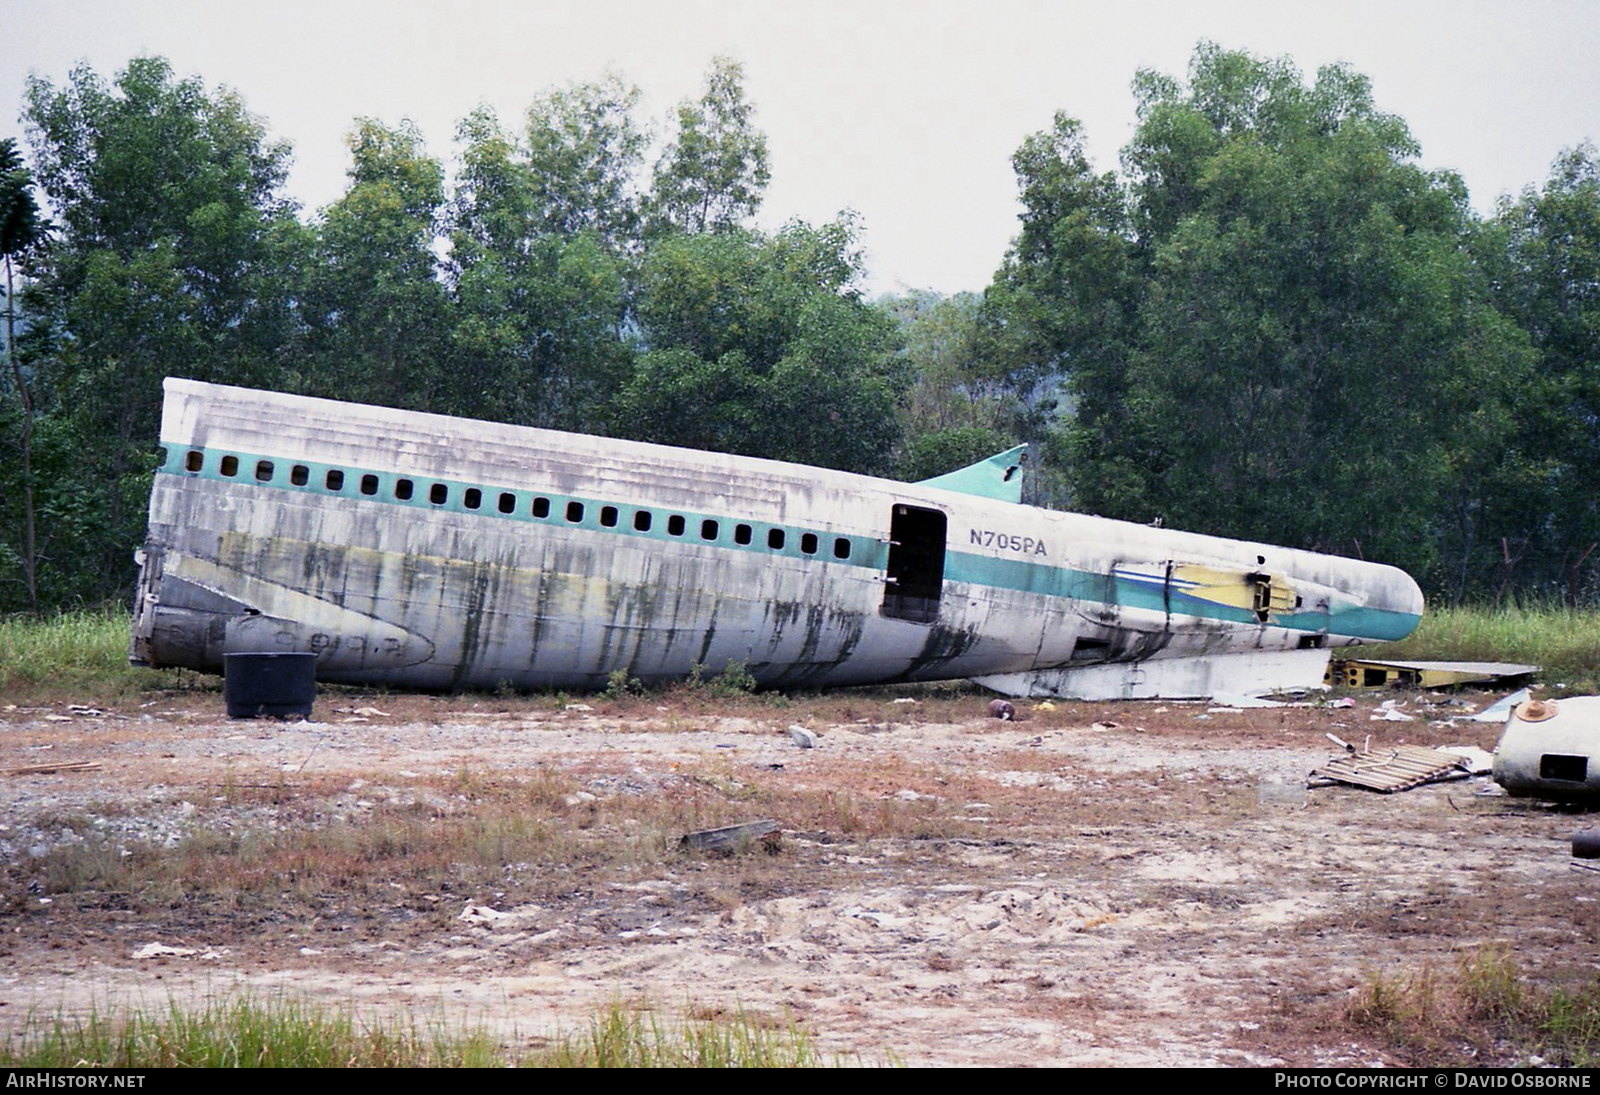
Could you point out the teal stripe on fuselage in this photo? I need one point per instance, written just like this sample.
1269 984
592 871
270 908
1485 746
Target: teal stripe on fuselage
866 550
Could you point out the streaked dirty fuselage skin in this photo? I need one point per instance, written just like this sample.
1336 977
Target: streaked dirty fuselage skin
420 551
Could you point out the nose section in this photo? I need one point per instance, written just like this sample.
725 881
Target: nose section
1399 602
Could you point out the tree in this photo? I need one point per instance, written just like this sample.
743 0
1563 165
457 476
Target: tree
584 152
170 260
22 230
954 414
714 173
376 304
761 345
1056 325
539 308
1550 285
1280 332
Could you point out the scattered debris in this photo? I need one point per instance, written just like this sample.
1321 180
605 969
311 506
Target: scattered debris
1366 673
734 838
1389 711
523 916
1390 768
1478 762
1234 701
161 950
55 766
1501 709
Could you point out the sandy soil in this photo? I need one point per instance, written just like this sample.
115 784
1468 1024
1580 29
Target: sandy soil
1096 884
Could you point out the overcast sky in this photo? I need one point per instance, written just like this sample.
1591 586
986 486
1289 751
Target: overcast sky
906 112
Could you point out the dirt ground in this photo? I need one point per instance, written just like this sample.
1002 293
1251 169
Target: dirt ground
1093 884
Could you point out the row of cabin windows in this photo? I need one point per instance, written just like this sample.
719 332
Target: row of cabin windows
472 498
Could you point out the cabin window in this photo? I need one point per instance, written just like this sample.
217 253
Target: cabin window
194 461
914 577
708 529
743 534
608 516
230 466
438 494
299 475
775 539
404 489
676 525
263 471
808 543
369 484
641 521
541 508
508 502
841 547
334 480
473 498
575 512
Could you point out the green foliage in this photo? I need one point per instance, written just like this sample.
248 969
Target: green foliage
714 173
934 453
584 150
168 262
1271 323
1273 328
1547 511
734 680
620 685
249 1032
539 309
761 345
375 306
83 655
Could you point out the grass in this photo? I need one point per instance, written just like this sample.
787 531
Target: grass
1487 1013
1565 641
461 832
247 1032
79 655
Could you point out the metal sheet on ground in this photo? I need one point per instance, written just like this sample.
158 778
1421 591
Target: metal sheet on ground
1392 768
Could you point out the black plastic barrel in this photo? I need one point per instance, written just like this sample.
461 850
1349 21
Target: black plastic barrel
1586 844
272 684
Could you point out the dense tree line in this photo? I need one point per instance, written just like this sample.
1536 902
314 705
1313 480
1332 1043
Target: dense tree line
1275 324
1271 322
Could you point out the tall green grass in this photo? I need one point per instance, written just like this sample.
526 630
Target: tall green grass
77 655
251 1033
1564 641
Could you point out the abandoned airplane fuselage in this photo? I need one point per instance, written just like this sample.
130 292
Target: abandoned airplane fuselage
422 551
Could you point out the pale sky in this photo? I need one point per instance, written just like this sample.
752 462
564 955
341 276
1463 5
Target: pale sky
906 112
